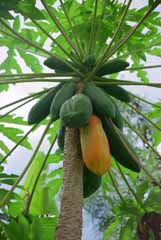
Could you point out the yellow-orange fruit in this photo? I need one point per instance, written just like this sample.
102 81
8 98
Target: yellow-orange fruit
95 146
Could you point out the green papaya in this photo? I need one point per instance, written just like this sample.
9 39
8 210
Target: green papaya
66 92
76 111
118 120
113 66
117 92
61 136
91 182
57 65
42 108
102 103
120 148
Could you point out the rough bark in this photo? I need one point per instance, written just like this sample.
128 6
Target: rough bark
70 219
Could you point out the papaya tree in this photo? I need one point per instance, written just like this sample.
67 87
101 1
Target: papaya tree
75 53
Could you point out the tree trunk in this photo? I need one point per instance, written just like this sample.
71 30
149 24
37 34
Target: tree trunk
70 219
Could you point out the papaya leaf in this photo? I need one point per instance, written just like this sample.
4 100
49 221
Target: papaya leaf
14 134
17 229
31 61
13 119
112 228
28 9
4 147
6 6
43 228
143 76
7 179
56 157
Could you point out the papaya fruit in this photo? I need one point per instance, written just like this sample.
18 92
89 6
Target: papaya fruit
113 66
66 92
42 108
95 146
61 136
118 120
76 111
102 103
91 182
120 148
117 92
57 65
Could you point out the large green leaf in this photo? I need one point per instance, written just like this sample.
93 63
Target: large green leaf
43 228
14 134
6 6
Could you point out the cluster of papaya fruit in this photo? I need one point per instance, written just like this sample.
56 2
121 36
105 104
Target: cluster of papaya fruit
95 113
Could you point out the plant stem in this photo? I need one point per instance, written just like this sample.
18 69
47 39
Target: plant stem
146 101
98 51
33 80
153 180
72 30
70 219
144 67
115 187
103 9
60 27
133 30
29 76
27 207
143 115
102 59
129 187
55 41
124 5
27 41
22 99
35 76
142 138
17 107
117 31
22 49
17 144
92 37
101 48
7 196
110 81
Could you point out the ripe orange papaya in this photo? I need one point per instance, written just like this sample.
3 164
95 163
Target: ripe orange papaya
95 146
